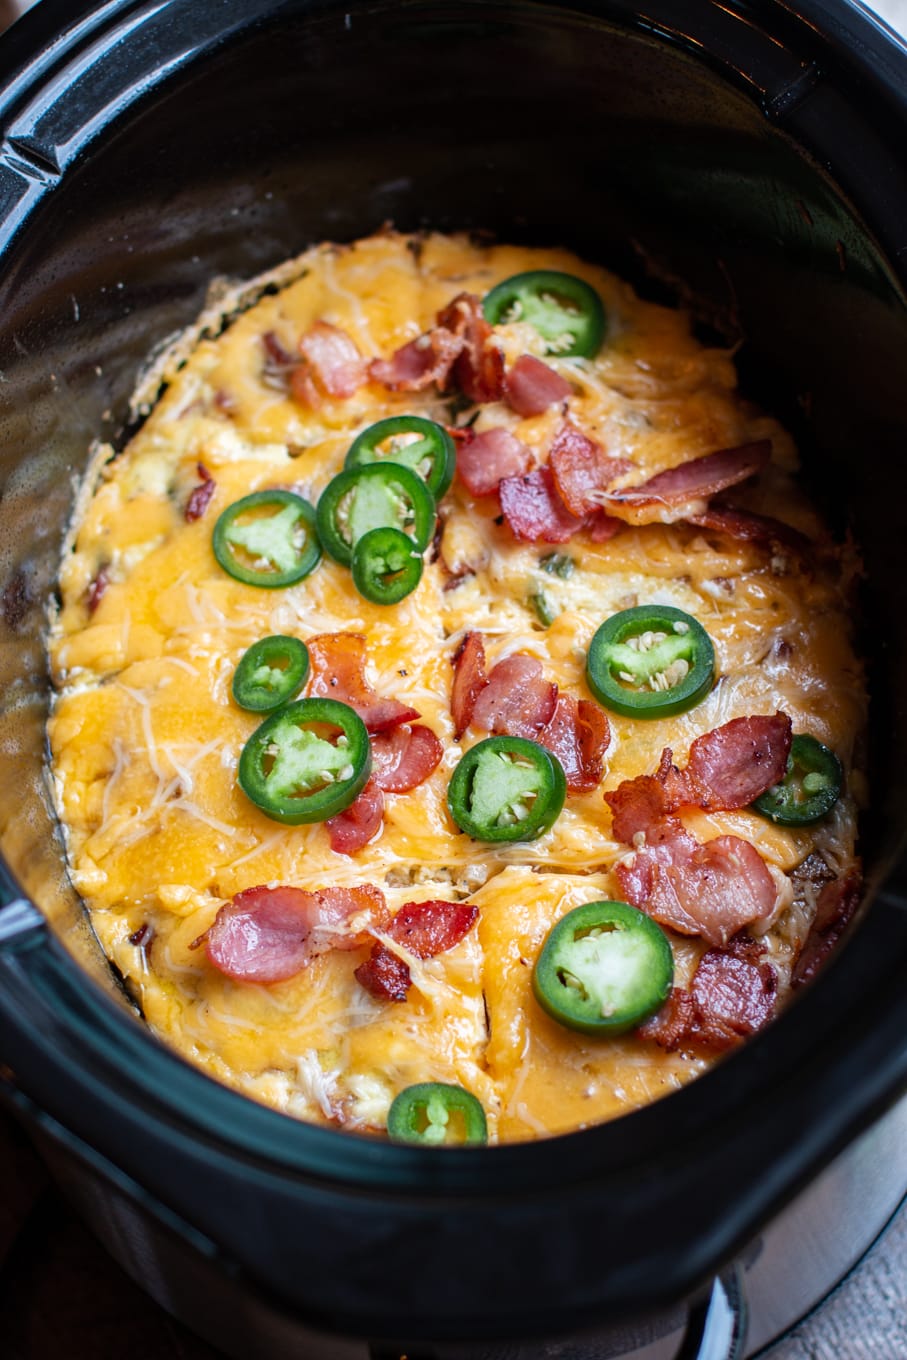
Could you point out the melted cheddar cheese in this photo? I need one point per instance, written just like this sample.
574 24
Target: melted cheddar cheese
145 737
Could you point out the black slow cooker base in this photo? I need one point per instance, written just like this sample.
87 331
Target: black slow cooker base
150 147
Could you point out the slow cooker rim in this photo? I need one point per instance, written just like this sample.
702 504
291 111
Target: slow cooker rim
694 1106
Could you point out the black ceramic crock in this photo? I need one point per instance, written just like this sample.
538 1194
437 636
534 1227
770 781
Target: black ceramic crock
751 150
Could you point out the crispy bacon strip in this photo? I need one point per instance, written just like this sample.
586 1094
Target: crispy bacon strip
517 700
270 934
727 768
353 828
424 929
733 764
404 757
712 889
837 903
483 460
748 527
731 996
200 496
581 470
578 733
459 349
338 672
331 365
468 682
679 492
531 386
424 361
534 511
478 370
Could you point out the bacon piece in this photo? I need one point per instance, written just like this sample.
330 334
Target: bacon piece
602 527
201 495
531 386
751 528
581 470
96 588
384 974
268 934
533 509
693 481
479 368
734 764
353 828
331 365
837 903
468 682
517 701
403 758
732 995
424 929
578 734
483 460
711 889
338 672
424 361
727 768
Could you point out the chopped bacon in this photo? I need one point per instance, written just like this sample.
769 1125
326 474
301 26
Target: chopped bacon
751 528
479 368
732 995
269 934
727 768
384 974
581 470
837 903
531 386
517 701
666 495
424 929
338 672
468 682
602 527
97 587
483 460
331 365
403 758
458 349
578 734
425 360
711 889
533 509
353 828
736 763
201 496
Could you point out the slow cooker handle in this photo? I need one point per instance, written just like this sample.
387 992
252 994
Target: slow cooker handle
718 1325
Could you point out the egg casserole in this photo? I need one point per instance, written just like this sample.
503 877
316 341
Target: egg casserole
146 735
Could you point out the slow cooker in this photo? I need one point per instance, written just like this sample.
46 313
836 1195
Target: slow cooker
747 157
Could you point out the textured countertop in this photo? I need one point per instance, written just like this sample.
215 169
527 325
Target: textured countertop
61 1295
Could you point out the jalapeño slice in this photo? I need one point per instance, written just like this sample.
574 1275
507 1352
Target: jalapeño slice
267 539
374 496
810 788
270 673
604 968
565 311
435 1114
650 662
506 789
410 441
306 762
387 565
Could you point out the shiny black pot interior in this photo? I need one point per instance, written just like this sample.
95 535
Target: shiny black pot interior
757 157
